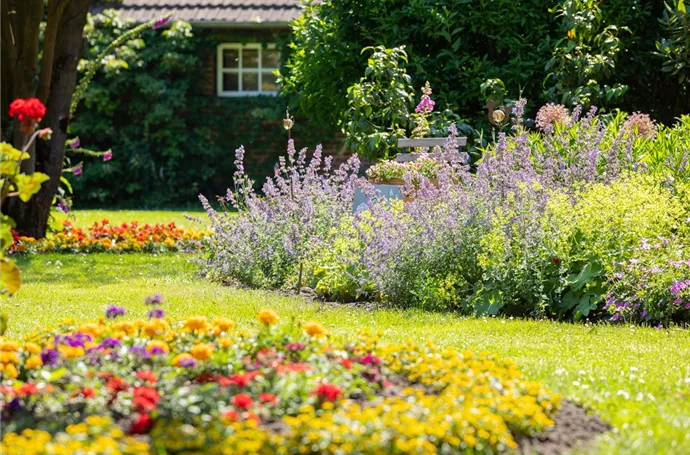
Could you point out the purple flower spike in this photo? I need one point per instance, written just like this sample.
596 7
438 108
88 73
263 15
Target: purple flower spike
161 22
62 206
114 311
156 313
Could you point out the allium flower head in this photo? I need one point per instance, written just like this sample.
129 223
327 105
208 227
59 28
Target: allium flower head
641 124
551 114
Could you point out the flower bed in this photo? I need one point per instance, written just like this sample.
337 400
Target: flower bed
104 236
167 387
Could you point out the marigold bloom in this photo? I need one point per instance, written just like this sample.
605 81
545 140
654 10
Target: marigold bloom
32 348
223 324
314 328
202 351
34 362
196 322
268 317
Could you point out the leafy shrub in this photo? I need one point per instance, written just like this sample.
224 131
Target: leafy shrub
198 385
272 235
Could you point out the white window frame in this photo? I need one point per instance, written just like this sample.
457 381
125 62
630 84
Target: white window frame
220 70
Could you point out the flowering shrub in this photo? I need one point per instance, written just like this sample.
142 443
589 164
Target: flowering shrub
272 235
387 171
106 237
200 385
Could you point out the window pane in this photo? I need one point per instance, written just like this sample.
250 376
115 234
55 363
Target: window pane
231 58
250 82
250 58
269 82
270 58
230 82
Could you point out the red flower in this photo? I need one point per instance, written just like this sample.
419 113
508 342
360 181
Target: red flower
242 401
116 385
556 260
347 363
86 392
242 379
205 377
31 109
328 392
145 399
27 389
142 425
254 417
224 381
232 415
147 376
268 398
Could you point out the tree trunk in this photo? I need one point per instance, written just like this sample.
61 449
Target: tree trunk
32 217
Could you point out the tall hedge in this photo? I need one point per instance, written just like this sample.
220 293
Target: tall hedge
458 44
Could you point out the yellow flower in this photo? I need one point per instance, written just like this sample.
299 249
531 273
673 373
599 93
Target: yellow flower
268 317
224 342
8 357
202 351
10 371
157 344
70 352
196 322
314 328
223 323
32 348
34 362
8 346
571 33
154 327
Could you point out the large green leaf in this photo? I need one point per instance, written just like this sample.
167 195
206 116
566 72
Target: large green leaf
489 303
11 277
28 185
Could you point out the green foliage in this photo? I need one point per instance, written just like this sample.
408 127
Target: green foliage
675 48
171 137
585 57
458 45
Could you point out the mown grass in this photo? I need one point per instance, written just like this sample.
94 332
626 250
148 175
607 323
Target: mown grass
86 218
636 378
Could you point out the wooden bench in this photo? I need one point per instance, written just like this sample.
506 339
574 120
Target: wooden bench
429 142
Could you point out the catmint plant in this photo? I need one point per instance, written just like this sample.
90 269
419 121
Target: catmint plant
271 235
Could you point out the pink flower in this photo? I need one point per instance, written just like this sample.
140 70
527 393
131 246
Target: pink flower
108 155
78 169
161 22
74 143
45 133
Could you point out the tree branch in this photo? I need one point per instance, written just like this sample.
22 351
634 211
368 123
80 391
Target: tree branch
55 10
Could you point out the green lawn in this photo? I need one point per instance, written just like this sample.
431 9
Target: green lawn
85 218
637 378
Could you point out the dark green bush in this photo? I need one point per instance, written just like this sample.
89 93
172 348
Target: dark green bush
458 44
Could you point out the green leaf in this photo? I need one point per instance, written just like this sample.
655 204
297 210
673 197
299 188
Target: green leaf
28 185
11 277
489 303
681 6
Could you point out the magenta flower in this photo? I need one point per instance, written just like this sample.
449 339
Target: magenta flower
426 105
108 155
156 313
62 206
161 22
78 169
75 143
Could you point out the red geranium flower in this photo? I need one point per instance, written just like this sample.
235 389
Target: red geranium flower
145 399
268 398
328 392
116 385
29 112
347 363
142 425
147 376
232 415
242 379
27 389
86 392
242 401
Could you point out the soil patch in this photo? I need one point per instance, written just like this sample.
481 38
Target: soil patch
574 427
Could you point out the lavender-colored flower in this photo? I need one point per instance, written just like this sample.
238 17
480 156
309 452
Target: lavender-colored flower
49 356
644 314
157 350
187 362
113 311
155 299
156 313
676 287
